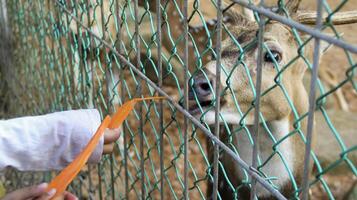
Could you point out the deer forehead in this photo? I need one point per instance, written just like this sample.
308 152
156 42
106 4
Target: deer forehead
279 31
274 31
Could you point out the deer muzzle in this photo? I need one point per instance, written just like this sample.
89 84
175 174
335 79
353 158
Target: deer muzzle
202 92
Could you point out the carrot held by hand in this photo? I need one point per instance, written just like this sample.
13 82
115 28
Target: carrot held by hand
63 179
125 109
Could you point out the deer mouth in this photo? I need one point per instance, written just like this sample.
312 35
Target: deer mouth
227 116
197 108
206 108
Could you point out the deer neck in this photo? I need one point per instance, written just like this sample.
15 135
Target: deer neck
280 165
285 161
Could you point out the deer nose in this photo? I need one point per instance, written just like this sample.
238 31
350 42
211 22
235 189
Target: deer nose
202 87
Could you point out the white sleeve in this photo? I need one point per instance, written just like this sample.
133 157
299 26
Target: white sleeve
48 142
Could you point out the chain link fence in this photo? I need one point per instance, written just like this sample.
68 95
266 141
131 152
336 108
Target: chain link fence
257 140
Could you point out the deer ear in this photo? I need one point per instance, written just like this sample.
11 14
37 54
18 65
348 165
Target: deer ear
232 9
324 46
236 18
309 51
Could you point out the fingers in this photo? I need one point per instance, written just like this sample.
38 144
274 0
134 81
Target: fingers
60 197
111 135
31 192
69 196
66 196
108 148
48 195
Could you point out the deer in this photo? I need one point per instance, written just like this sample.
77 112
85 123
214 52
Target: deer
200 43
279 117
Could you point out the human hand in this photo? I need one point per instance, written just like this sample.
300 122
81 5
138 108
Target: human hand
110 136
37 192
66 196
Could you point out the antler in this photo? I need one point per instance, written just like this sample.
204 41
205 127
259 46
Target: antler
339 18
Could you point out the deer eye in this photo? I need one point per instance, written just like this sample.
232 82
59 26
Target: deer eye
275 55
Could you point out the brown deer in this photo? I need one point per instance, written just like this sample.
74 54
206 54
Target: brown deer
201 26
282 156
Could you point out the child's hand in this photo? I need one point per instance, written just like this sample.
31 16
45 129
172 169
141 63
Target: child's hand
66 196
33 192
37 192
110 136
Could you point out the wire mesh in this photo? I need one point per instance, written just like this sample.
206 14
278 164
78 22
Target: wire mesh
198 144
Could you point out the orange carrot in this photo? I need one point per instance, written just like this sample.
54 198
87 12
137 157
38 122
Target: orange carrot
125 109
61 181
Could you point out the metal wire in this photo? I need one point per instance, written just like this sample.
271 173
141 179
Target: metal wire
141 128
257 99
218 99
186 106
161 106
312 105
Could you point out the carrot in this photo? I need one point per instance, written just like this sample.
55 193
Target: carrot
125 109
62 180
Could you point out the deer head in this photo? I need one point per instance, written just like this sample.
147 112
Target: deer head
239 63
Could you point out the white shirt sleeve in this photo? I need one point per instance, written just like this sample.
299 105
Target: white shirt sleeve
48 142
